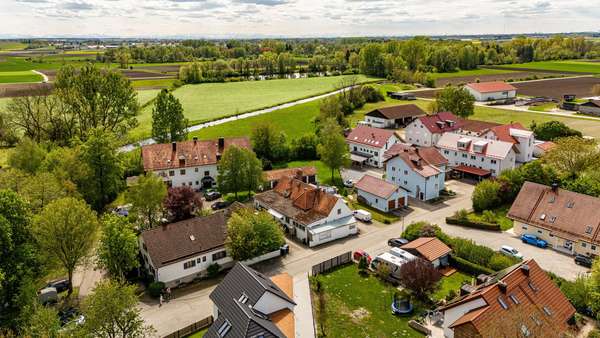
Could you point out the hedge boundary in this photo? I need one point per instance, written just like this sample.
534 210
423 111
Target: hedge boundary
470 267
473 224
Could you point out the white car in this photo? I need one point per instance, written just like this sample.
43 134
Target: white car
348 183
362 215
510 251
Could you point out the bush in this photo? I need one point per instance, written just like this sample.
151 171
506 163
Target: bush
372 95
424 229
472 224
499 262
595 333
213 270
155 289
486 195
468 267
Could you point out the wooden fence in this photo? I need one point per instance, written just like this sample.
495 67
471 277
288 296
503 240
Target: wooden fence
197 326
332 263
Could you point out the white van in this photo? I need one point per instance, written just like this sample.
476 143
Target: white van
363 215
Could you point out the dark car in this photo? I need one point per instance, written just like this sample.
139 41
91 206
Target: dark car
397 242
212 195
66 315
584 261
220 205
60 285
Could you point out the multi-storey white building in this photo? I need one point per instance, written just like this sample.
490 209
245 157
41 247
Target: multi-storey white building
368 145
516 134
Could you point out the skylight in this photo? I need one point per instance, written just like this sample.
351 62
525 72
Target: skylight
224 329
514 298
547 311
588 229
243 298
502 303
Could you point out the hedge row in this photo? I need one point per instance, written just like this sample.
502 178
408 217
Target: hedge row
469 267
473 224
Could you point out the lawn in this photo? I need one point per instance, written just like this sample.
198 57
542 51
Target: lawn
12 45
358 306
470 72
162 83
19 77
499 217
452 282
145 96
543 107
209 101
562 66
198 334
323 172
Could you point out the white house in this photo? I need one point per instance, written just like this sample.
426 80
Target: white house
394 116
190 163
180 252
477 156
379 194
516 134
367 144
420 171
425 131
492 91
307 212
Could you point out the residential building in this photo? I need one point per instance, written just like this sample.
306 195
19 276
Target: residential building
516 134
421 171
431 249
380 194
394 116
307 212
520 301
251 305
189 163
477 156
568 221
492 91
425 131
541 147
180 252
304 174
592 107
367 144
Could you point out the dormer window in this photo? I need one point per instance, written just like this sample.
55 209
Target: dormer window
570 204
243 298
588 229
502 303
543 217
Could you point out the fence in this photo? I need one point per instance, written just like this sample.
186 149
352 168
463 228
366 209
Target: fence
332 263
264 257
197 326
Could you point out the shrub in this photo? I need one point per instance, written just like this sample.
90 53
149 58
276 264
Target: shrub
462 215
595 333
155 289
468 267
473 224
489 216
451 295
213 270
486 195
362 265
371 95
424 229
499 262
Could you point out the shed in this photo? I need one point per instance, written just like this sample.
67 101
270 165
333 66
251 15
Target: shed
380 194
430 249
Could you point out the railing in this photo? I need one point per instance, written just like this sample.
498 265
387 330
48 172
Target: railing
197 326
332 263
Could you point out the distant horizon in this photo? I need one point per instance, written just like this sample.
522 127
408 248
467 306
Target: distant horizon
220 19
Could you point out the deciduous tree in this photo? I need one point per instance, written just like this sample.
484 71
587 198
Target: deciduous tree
168 122
238 169
573 155
182 202
269 142
456 100
42 189
251 234
118 250
146 198
552 130
332 147
486 195
419 276
27 156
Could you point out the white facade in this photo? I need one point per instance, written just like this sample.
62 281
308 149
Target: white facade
418 134
199 177
379 122
525 145
398 199
375 153
454 313
492 96
418 186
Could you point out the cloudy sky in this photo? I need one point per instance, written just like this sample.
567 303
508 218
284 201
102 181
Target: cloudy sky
295 18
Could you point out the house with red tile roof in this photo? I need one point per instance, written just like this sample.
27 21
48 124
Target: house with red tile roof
190 163
380 194
491 91
520 301
368 145
307 212
515 133
541 147
305 174
431 249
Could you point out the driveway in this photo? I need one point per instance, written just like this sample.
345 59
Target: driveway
355 173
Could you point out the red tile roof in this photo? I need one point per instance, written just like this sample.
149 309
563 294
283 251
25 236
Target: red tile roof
277 174
423 160
472 170
546 145
441 122
491 87
429 248
188 153
373 137
376 186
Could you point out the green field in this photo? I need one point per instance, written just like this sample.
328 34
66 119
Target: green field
563 66
209 101
145 96
166 83
471 72
19 77
12 45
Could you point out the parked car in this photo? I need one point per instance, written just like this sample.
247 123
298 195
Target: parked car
397 242
123 210
61 285
584 260
348 183
67 314
534 240
510 251
212 195
363 215
358 254
48 295
220 205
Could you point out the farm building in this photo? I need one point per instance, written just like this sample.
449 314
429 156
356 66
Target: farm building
431 249
492 91
367 145
393 117
381 195
592 107
304 174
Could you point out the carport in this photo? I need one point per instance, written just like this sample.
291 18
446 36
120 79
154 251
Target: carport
358 159
464 171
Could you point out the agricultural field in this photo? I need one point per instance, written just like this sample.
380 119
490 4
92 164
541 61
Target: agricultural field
145 96
556 88
12 45
577 66
209 101
153 83
469 73
19 77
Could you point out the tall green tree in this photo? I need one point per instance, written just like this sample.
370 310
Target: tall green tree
372 60
332 148
251 234
168 122
146 198
27 156
106 172
573 155
42 189
118 249
269 142
66 230
239 169
44 322
552 130
456 100
251 171
594 288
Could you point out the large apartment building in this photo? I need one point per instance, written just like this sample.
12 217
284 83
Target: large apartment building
368 145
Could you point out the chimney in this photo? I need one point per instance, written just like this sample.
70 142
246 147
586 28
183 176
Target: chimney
195 138
503 286
221 143
174 146
555 187
525 269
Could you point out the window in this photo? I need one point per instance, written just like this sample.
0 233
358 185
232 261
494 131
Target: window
464 155
243 298
393 168
502 303
593 248
473 157
539 231
219 255
405 172
446 152
493 161
196 169
514 298
189 264
204 258
171 172
197 183
182 172
524 227
339 211
583 245
207 173
570 204
588 229
552 219
224 328
547 311
525 330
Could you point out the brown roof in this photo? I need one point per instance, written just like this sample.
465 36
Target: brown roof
284 319
534 291
188 153
423 160
472 170
565 213
491 87
397 112
373 137
502 132
175 242
546 145
477 126
441 122
429 248
376 186
591 103
277 174
303 202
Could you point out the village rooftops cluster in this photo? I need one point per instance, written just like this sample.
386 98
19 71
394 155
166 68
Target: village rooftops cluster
373 137
475 145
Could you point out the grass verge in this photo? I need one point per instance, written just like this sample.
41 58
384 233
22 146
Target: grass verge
499 217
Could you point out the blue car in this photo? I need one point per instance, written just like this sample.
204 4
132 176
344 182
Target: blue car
533 240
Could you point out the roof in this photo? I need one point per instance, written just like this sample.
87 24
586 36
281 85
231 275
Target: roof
430 248
507 132
275 175
493 148
472 170
441 122
422 160
174 242
373 137
300 201
244 320
187 153
530 286
491 87
565 213
477 126
376 186
397 112
284 319
545 146
591 103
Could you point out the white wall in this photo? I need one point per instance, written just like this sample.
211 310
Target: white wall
382 203
192 175
418 134
378 122
492 96
172 273
331 235
399 173
494 165
452 314
377 152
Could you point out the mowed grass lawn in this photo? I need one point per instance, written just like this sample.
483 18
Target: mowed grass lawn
577 66
470 72
208 101
12 45
357 306
19 77
451 283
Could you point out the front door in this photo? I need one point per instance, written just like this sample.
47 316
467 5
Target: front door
392 205
401 202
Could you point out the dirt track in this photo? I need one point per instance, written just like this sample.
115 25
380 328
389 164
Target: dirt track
516 76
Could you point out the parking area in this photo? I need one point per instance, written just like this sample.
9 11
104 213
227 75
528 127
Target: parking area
355 173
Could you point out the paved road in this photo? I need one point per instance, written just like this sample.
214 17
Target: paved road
195 305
